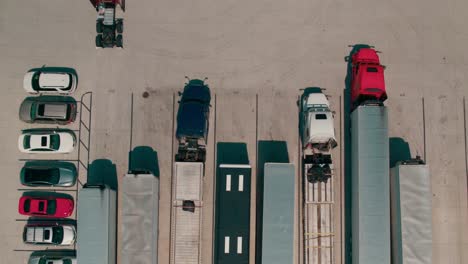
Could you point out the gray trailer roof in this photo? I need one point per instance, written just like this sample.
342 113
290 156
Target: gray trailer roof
139 219
411 207
96 238
370 185
278 214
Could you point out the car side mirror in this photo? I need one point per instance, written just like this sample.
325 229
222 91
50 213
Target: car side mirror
179 93
346 58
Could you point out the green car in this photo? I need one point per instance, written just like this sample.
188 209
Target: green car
48 173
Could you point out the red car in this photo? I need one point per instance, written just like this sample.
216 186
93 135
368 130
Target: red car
367 81
46 206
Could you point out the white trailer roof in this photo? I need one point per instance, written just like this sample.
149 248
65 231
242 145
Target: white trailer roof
188 180
411 212
139 219
186 236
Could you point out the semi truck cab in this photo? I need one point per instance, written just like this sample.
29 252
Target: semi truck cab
367 81
193 121
317 134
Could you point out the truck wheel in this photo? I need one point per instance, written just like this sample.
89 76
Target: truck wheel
119 41
119 26
99 41
98 26
202 156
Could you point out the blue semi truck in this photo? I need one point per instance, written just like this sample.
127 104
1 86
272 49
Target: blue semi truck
193 121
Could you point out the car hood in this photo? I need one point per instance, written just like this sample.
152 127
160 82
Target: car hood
67 142
25 111
64 207
27 82
34 260
69 235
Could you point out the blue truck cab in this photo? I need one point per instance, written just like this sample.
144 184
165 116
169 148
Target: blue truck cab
193 121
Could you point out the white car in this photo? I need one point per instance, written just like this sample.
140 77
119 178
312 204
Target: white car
52 260
43 141
55 234
59 80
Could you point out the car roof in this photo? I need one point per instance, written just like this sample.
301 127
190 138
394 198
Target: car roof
54 79
36 141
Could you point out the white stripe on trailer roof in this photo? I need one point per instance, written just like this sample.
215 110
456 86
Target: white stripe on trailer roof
240 166
228 182
241 183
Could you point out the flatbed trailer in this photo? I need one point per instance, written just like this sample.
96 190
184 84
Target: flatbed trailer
318 219
186 213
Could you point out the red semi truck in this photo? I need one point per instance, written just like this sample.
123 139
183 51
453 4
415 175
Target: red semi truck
367 81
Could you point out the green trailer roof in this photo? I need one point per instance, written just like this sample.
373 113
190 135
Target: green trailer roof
232 215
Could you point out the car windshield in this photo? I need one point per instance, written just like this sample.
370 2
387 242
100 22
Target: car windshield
51 207
35 81
44 175
67 261
44 261
27 205
41 109
55 142
26 142
321 116
46 234
58 235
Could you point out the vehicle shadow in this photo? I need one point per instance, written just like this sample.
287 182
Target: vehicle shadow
103 171
47 194
54 253
347 151
399 150
143 159
268 151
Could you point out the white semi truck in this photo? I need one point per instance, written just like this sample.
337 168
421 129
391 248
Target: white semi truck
317 132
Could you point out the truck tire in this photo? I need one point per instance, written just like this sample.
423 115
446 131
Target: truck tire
119 26
98 26
119 41
99 41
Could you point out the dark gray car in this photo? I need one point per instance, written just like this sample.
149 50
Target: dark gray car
48 110
48 173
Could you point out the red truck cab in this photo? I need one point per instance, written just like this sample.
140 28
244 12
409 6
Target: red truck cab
367 81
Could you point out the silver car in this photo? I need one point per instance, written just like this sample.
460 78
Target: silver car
48 110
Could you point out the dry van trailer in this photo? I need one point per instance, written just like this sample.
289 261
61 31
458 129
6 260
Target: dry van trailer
232 215
370 202
139 219
96 225
278 214
411 213
186 213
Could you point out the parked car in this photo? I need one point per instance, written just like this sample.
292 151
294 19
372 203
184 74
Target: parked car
50 80
46 206
48 110
46 259
46 140
49 233
48 173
